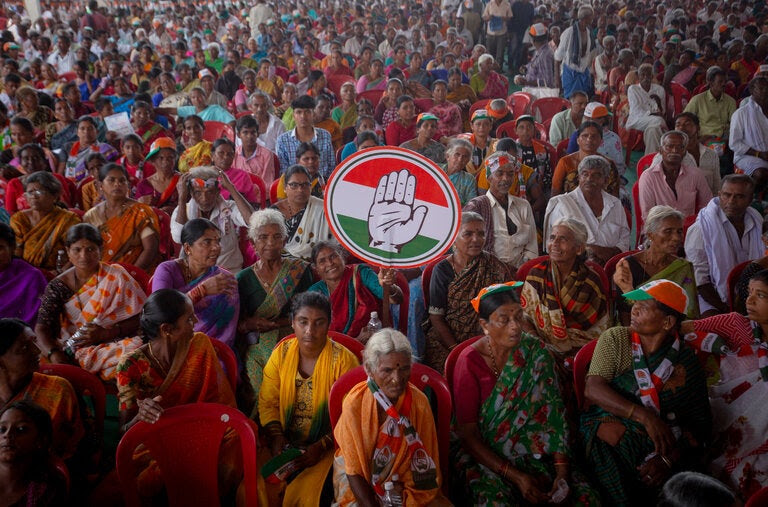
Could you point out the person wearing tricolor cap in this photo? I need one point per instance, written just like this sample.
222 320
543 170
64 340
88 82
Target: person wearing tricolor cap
480 137
540 70
536 469
424 143
650 414
510 230
611 144
208 83
739 345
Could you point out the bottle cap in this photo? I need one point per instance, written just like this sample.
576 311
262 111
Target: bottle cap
388 486
374 315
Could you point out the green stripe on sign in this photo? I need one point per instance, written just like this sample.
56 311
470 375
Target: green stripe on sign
357 230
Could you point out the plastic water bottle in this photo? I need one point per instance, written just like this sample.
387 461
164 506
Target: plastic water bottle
391 498
374 324
61 260
672 421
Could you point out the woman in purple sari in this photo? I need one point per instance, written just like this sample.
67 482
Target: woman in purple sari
213 290
21 284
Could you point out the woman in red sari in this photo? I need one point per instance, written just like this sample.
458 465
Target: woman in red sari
355 290
159 189
145 127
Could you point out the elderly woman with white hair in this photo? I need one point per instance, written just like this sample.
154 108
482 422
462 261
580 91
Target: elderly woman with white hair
562 295
266 290
457 156
486 82
659 260
370 453
601 213
575 52
270 126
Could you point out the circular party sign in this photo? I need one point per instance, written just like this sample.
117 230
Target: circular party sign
392 207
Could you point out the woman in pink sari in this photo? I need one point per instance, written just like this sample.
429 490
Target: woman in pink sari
487 83
223 155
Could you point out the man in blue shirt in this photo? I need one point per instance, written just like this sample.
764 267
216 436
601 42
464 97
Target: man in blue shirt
305 131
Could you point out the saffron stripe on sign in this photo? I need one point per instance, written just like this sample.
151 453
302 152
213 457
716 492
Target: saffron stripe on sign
357 231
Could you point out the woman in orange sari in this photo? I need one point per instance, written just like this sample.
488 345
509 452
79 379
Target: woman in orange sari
174 366
40 231
130 229
198 150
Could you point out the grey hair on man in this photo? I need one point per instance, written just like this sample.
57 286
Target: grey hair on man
384 342
595 162
670 133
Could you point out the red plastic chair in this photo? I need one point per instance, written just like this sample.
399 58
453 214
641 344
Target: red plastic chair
426 277
373 95
67 76
421 376
580 367
638 214
453 356
423 105
138 274
597 268
283 72
547 107
610 266
759 499
542 132
216 129
185 442
520 103
338 155
167 247
562 148
644 163
522 271
350 343
240 114
258 182
506 129
335 81
480 104
85 384
680 96
273 191
226 356
733 279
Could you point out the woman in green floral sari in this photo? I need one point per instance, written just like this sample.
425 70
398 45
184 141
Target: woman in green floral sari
511 421
266 289
651 413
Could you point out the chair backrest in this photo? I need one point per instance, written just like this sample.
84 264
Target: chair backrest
424 104
426 277
373 95
580 366
562 148
733 279
335 81
638 214
282 72
681 96
258 182
759 499
185 443
597 268
506 129
216 129
644 163
421 377
273 191
138 274
227 357
67 76
610 266
554 156
523 270
453 356
166 247
520 103
546 107
542 132
240 114
480 104
350 343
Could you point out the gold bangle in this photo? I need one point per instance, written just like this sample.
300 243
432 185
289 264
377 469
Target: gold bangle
631 411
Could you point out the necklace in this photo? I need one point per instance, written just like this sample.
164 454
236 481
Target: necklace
154 357
493 358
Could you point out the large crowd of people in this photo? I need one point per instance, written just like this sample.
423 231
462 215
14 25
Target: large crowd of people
600 319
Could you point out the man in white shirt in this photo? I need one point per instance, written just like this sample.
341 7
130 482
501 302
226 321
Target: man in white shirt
749 133
646 108
576 51
201 184
496 14
601 212
259 14
510 230
354 45
63 59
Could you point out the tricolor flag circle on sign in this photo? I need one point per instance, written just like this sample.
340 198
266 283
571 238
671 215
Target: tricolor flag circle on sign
392 207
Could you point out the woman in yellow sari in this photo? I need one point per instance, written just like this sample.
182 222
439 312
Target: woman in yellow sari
95 304
345 114
129 228
460 94
293 402
40 231
198 150
361 431
175 366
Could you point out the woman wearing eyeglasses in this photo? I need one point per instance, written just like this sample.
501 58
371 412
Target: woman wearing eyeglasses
41 230
303 214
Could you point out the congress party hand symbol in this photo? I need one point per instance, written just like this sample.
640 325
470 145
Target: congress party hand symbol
392 219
